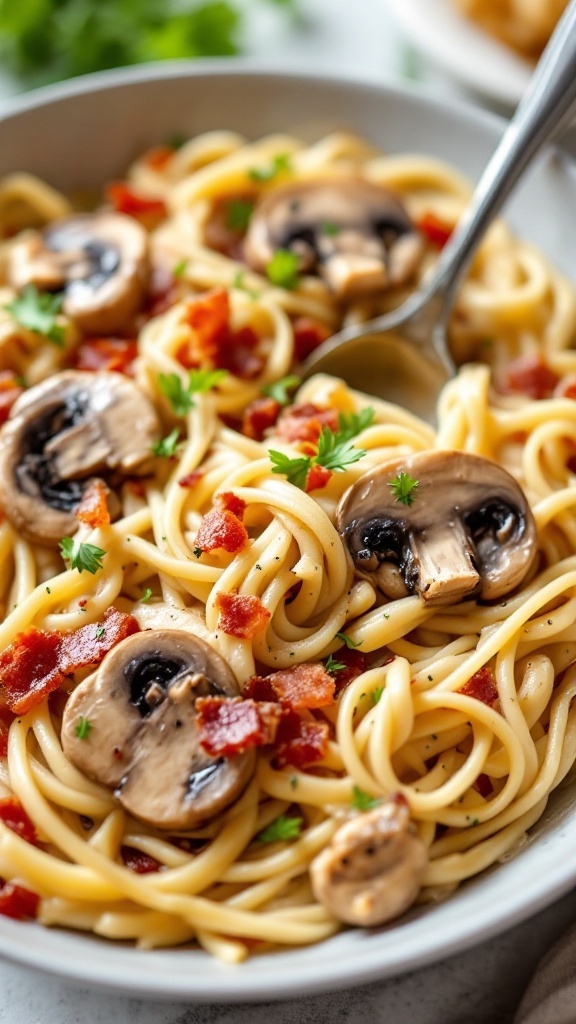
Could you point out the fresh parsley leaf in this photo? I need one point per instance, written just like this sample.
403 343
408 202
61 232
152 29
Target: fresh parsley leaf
100 632
37 311
198 552
279 389
282 270
336 453
146 596
332 665
180 268
295 470
238 214
166 447
285 827
281 162
377 693
352 423
347 641
180 397
404 488
82 728
362 801
81 556
330 228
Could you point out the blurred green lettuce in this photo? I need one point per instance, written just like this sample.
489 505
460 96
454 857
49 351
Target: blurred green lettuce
48 40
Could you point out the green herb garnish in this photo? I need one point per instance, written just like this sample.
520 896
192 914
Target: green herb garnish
238 214
281 162
81 556
82 728
295 470
335 453
352 423
285 827
167 446
362 801
282 270
146 596
332 665
279 389
347 640
180 397
37 311
404 488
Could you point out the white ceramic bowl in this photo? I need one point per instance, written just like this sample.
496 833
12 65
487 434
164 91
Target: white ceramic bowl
80 134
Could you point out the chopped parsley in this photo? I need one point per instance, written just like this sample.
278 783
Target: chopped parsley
180 268
166 447
198 552
180 397
82 728
377 693
295 470
282 270
404 488
347 640
362 801
81 556
238 214
281 162
238 282
335 453
332 665
285 827
37 311
279 389
352 423
330 228
100 632
146 596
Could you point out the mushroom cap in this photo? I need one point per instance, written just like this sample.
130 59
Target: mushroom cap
59 434
143 741
99 260
372 869
469 531
357 234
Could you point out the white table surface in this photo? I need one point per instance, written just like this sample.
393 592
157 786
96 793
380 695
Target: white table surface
482 985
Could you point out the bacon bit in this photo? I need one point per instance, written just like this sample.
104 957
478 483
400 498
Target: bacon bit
318 477
214 343
230 502
10 390
259 416
6 719
303 686
15 818
149 210
82 602
436 230
140 863
17 902
241 615
85 646
482 686
230 725
531 376
93 509
221 530
191 479
298 742
308 335
484 785
305 422
158 157
355 663
111 354
38 661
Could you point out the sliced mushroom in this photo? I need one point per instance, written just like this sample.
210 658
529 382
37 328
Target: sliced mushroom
142 739
99 261
356 234
468 531
372 869
59 434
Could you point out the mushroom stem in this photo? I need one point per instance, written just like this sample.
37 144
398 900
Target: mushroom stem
443 563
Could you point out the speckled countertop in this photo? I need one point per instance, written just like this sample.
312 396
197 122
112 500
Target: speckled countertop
482 985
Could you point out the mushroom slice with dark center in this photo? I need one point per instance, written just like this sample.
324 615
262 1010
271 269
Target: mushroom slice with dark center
464 530
59 434
357 235
372 869
143 741
99 261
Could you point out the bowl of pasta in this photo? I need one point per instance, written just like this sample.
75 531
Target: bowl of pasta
287 672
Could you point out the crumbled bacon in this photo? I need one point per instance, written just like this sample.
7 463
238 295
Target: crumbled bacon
10 390
317 478
6 718
230 725
230 502
484 785
436 230
530 375
15 818
140 863
93 509
305 422
308 335
299 742
241 615
259 417
303 686
158 157
149 210
354 665
191 479
111 354
482 686
38 661
214 343
221 530
18 902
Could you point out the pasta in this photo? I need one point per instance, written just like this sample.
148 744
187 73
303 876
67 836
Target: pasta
461 712
524 25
